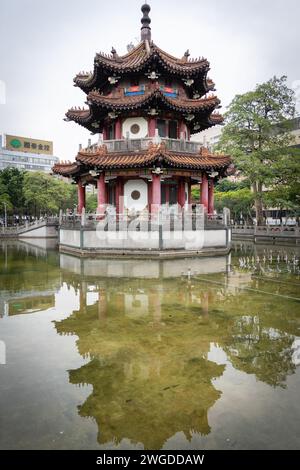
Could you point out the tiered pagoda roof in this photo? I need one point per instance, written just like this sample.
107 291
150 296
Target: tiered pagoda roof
199 110
146 57
101 159
188 101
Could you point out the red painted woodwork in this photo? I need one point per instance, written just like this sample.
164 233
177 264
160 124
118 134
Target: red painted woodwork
118 129
204 191
151 127
119 195
101 196
211 196
149 195
181 192
81 197
156 193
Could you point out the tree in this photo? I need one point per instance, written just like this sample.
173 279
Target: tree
257 135
45 194
240 203
225 185
11 189
91 203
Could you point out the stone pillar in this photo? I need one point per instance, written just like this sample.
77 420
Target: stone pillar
156 193
81 197
211 196
118 129
151 127
101 196
204 191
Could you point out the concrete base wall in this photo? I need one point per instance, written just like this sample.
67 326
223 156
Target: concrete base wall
92 241
40 232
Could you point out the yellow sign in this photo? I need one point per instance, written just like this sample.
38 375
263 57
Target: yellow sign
23 144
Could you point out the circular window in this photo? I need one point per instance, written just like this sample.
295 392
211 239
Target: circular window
135 195
135 129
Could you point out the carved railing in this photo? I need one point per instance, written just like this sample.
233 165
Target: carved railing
133 145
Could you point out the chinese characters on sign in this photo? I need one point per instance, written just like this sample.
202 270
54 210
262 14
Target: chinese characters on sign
24 144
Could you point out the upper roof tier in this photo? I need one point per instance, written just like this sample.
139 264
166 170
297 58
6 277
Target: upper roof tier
197 113
149 59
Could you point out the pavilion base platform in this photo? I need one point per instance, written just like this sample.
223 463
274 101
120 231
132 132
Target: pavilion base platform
159 245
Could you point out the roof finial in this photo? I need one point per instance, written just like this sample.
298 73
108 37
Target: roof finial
146 30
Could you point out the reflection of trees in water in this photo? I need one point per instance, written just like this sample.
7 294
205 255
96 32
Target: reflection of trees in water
148 343
262 351
22 270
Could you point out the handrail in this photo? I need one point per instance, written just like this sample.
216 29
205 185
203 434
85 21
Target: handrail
133 145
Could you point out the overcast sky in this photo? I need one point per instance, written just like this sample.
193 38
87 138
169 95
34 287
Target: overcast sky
44 43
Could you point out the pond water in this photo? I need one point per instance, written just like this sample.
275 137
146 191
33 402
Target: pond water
138 354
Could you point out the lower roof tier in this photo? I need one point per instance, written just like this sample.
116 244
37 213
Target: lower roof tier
156 155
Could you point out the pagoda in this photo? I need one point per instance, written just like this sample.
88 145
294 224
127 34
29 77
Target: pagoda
145 105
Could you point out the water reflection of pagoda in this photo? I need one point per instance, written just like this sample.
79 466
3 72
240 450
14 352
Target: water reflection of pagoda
147 343
150 374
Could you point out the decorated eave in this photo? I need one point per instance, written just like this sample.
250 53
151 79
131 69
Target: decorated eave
147 58
101 159
197 112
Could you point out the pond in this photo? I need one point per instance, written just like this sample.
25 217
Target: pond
137 354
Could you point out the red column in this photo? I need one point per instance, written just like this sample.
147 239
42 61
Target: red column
104 133
156 193
211 196
118 129
81 197
181 192
149 195
204 191
189 192
119 195
101 194
151 127
182 129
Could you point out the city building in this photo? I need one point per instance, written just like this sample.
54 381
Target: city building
209 137
26 153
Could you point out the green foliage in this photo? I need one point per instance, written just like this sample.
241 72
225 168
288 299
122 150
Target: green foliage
257 136
91 203
11 189
239 202
226 185
43 193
